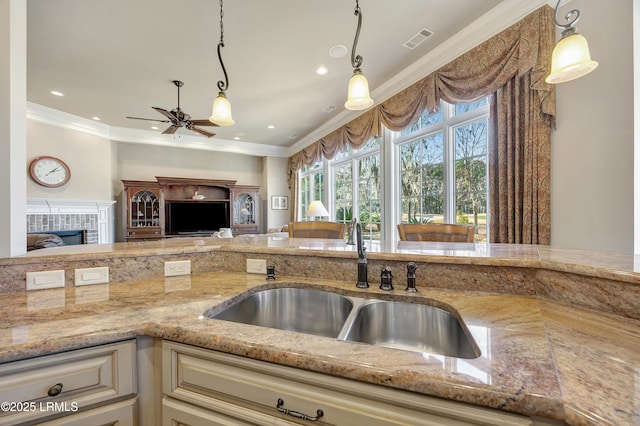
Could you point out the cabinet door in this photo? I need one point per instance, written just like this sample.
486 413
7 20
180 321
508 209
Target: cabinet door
68 382
143 208
177 413
244 212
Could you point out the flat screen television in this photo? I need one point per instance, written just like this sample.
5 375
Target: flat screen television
197 217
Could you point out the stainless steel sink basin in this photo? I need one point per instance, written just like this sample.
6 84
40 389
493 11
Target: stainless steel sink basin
400 325
410 326
315 312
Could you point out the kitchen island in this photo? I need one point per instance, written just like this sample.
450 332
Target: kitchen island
558 330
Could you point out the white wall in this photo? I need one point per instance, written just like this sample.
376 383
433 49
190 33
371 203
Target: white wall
592 149
145 162
275 182
89 157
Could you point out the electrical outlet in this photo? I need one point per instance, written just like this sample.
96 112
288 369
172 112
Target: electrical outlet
256 266
177 267
88 276
45 279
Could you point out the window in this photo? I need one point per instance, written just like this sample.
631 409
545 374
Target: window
436 171
311 187
356 187
442 167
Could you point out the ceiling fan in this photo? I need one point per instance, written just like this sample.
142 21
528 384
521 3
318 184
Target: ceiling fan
179 119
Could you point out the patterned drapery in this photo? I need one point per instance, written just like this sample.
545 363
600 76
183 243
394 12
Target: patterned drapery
510 66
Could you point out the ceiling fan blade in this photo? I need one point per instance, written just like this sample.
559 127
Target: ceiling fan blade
150 119
166 114
170 130
202 132
203 123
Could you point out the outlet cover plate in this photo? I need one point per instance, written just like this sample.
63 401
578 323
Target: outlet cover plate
173 268
88 276
256 266
45 279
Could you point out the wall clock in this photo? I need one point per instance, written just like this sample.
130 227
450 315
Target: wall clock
49 171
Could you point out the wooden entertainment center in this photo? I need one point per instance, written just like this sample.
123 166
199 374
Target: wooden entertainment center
172 207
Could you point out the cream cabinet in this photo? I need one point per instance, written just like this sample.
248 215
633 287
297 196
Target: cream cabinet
78 385
206 387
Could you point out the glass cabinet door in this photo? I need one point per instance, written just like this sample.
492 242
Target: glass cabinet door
144 208
244 210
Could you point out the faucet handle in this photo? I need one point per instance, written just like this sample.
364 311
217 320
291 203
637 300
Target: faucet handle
386 279
411 277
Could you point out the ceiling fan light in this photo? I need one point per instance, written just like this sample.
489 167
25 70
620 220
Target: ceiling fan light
570 60
358 92
221 114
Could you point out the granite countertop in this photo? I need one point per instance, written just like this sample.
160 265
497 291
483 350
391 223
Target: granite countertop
616 266
539 358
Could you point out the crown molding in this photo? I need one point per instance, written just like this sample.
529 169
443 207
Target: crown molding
491 23
65 120
126 135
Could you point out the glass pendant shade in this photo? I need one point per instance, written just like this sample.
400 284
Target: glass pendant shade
570 60
221 114
358 95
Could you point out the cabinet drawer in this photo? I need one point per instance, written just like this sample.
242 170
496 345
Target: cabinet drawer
83 378
180 413
204 378
142 233
121 413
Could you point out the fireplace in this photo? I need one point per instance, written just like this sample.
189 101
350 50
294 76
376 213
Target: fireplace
94 218
69 238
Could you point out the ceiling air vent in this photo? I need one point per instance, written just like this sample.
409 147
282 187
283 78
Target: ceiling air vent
328 109
417 39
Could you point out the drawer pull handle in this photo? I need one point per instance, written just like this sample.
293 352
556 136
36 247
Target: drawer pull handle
55 390
298 414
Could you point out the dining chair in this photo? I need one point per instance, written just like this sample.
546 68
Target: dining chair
443 232
317 229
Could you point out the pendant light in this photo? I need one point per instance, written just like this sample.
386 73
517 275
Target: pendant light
358 93
571 58
221 114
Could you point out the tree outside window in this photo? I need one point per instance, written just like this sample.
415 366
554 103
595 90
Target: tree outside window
443 167
356 191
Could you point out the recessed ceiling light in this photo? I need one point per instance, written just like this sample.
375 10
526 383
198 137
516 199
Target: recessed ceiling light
337 51
96 118
271 126
322 70
155 127
237 138
56 93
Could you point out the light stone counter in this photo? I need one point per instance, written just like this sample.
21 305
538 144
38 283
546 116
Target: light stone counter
558 330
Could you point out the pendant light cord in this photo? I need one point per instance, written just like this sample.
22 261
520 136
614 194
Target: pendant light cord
356 61
571 18
222 85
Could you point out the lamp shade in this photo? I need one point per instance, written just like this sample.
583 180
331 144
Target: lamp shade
221 114
316 208
570 60
358 94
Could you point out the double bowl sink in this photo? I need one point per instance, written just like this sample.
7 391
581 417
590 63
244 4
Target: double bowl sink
401 325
